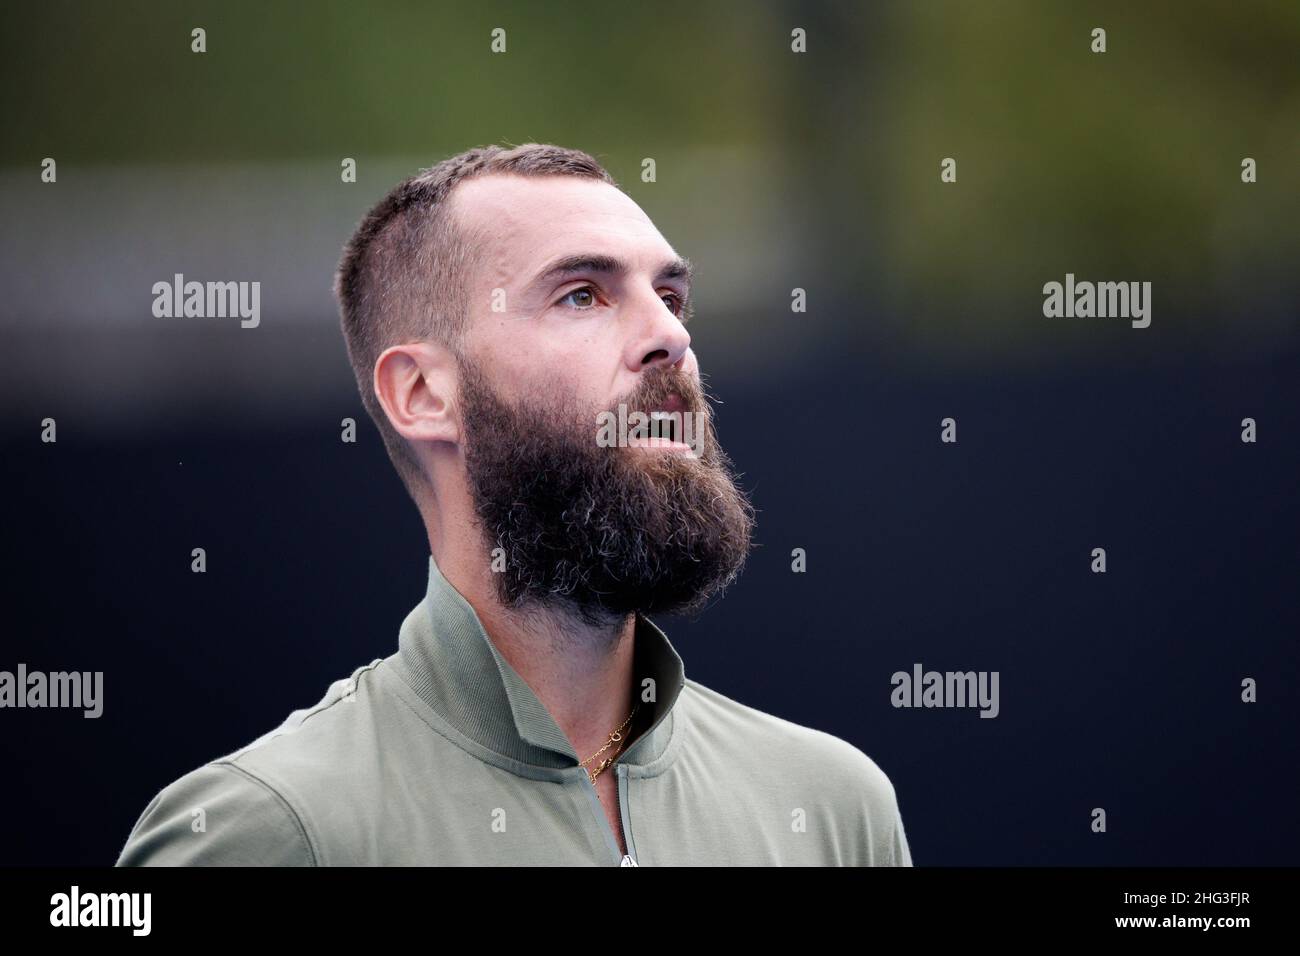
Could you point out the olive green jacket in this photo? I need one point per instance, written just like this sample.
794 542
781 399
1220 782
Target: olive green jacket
442 755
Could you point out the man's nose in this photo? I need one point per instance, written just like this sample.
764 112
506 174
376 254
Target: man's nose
659 338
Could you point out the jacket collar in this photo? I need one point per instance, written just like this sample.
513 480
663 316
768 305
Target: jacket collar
447 658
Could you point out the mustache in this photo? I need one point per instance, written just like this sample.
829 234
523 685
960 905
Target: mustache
666 388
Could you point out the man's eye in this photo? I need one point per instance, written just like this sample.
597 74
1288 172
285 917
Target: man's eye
674 302
589 297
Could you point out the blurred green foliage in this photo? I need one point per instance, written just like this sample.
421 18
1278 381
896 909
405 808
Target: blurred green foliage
1122 165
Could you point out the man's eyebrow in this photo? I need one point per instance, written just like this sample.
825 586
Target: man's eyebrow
678 268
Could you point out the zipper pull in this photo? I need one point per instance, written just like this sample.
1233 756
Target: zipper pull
628 861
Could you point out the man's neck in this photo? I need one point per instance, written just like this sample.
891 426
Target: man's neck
582 674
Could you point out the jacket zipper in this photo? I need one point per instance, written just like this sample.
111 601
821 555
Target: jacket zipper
621 769
627 858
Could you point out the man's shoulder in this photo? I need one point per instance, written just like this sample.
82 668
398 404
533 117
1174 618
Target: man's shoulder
218 815
330 734
760 742
258 805
775 764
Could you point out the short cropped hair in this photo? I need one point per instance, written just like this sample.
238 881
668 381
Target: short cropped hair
404 274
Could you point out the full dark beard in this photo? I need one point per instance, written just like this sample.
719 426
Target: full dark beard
601 532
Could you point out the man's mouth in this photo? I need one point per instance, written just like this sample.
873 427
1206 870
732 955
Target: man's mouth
669 428
665 425
673 403
664 422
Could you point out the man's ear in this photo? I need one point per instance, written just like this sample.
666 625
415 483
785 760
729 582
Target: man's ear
416 385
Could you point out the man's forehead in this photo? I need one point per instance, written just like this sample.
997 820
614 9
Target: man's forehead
523 222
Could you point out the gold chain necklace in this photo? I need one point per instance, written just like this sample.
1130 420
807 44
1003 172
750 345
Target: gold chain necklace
615 738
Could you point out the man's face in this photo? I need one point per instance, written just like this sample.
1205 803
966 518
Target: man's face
576 316
584 333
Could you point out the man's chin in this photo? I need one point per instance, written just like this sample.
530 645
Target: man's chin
619 607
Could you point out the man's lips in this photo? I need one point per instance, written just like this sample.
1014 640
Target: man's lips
673 403
669 424
661 444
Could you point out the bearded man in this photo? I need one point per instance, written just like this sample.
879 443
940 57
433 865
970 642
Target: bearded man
497 308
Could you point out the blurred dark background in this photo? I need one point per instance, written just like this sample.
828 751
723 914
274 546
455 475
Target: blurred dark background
775 170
